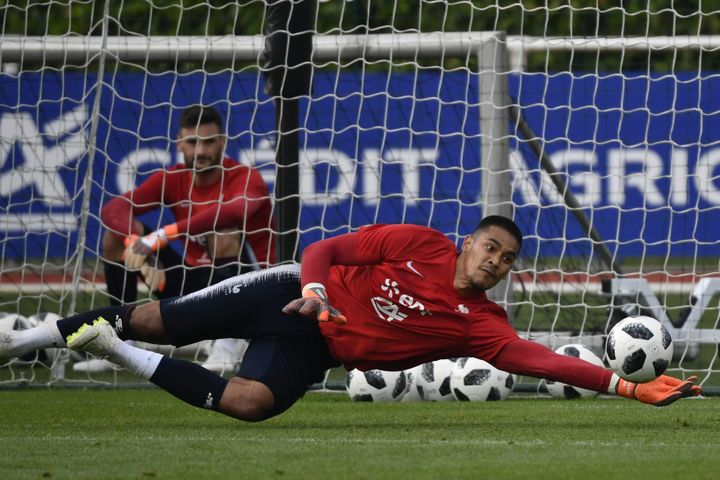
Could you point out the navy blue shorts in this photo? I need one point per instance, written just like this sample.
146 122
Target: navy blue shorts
287 353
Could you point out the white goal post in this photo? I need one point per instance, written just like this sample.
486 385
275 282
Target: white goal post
447 172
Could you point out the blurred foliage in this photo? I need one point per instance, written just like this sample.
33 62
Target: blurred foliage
563 18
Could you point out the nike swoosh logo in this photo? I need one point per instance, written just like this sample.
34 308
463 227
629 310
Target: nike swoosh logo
410 266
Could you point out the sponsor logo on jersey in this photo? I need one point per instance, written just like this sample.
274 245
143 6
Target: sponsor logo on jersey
462 309
390 286
387 310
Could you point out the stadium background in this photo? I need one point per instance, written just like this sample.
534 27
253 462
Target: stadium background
588 122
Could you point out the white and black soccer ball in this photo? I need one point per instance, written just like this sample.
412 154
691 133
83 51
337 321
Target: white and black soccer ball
13 321
376 385
562 390
639 349
412 393
433 382
476 380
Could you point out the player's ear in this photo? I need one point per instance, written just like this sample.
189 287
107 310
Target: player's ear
467 243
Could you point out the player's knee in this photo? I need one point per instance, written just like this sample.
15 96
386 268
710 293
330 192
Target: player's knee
247 400
146 323
113 247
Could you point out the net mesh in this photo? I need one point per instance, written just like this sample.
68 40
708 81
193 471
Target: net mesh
621 101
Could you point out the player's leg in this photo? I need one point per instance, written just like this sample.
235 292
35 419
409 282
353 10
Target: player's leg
245 306
121 283
224 354
17 343
242 307
278 371
178 276
285 356
183 379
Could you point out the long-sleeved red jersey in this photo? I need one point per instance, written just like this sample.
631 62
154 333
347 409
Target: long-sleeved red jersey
238 202
394 283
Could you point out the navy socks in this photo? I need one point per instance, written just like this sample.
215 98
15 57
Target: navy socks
189 382
118 317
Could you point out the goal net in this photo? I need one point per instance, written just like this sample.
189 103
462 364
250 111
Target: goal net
596 129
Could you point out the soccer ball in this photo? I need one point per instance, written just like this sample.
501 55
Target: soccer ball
412 393
433 383
562 390
639 349
376 385
476 380
13 321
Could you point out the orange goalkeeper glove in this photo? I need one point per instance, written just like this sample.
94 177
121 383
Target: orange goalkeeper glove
140 248
314 304
662 391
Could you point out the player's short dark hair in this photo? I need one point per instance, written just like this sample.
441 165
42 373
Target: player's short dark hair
196 115
505 223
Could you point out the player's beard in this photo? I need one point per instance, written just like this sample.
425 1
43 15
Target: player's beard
192 163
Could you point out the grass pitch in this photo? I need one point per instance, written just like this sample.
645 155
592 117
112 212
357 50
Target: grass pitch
67 433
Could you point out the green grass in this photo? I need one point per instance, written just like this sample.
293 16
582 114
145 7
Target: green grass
62 433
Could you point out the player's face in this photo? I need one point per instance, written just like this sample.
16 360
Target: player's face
201 147
486 258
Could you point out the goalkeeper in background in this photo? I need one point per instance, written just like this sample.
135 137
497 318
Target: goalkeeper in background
223 219
387 297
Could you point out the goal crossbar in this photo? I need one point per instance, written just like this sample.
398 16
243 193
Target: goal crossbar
329 47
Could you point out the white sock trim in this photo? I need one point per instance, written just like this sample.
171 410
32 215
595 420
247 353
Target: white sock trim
612 386
142 363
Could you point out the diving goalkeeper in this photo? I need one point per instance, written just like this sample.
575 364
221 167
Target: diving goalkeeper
387 297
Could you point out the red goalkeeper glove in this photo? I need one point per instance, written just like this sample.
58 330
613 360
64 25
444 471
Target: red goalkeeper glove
662 391
314 304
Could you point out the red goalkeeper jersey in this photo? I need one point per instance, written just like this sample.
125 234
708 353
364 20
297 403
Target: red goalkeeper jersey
402 308
239 202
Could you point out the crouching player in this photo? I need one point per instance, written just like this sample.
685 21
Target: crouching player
407 296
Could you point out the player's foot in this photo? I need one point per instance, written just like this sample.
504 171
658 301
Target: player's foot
221 360
94 365
5 347
97 339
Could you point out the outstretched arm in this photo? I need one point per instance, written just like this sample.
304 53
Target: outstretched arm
527 358
341 250
532 359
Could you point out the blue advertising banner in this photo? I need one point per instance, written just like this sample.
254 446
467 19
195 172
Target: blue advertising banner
639 153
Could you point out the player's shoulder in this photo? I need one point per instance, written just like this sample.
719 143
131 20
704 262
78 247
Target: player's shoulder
406 230
487 308
234 169
231 162
407 238
401 228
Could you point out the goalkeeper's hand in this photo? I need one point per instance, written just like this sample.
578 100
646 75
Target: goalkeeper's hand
138 249
662 391
314 304
154 276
